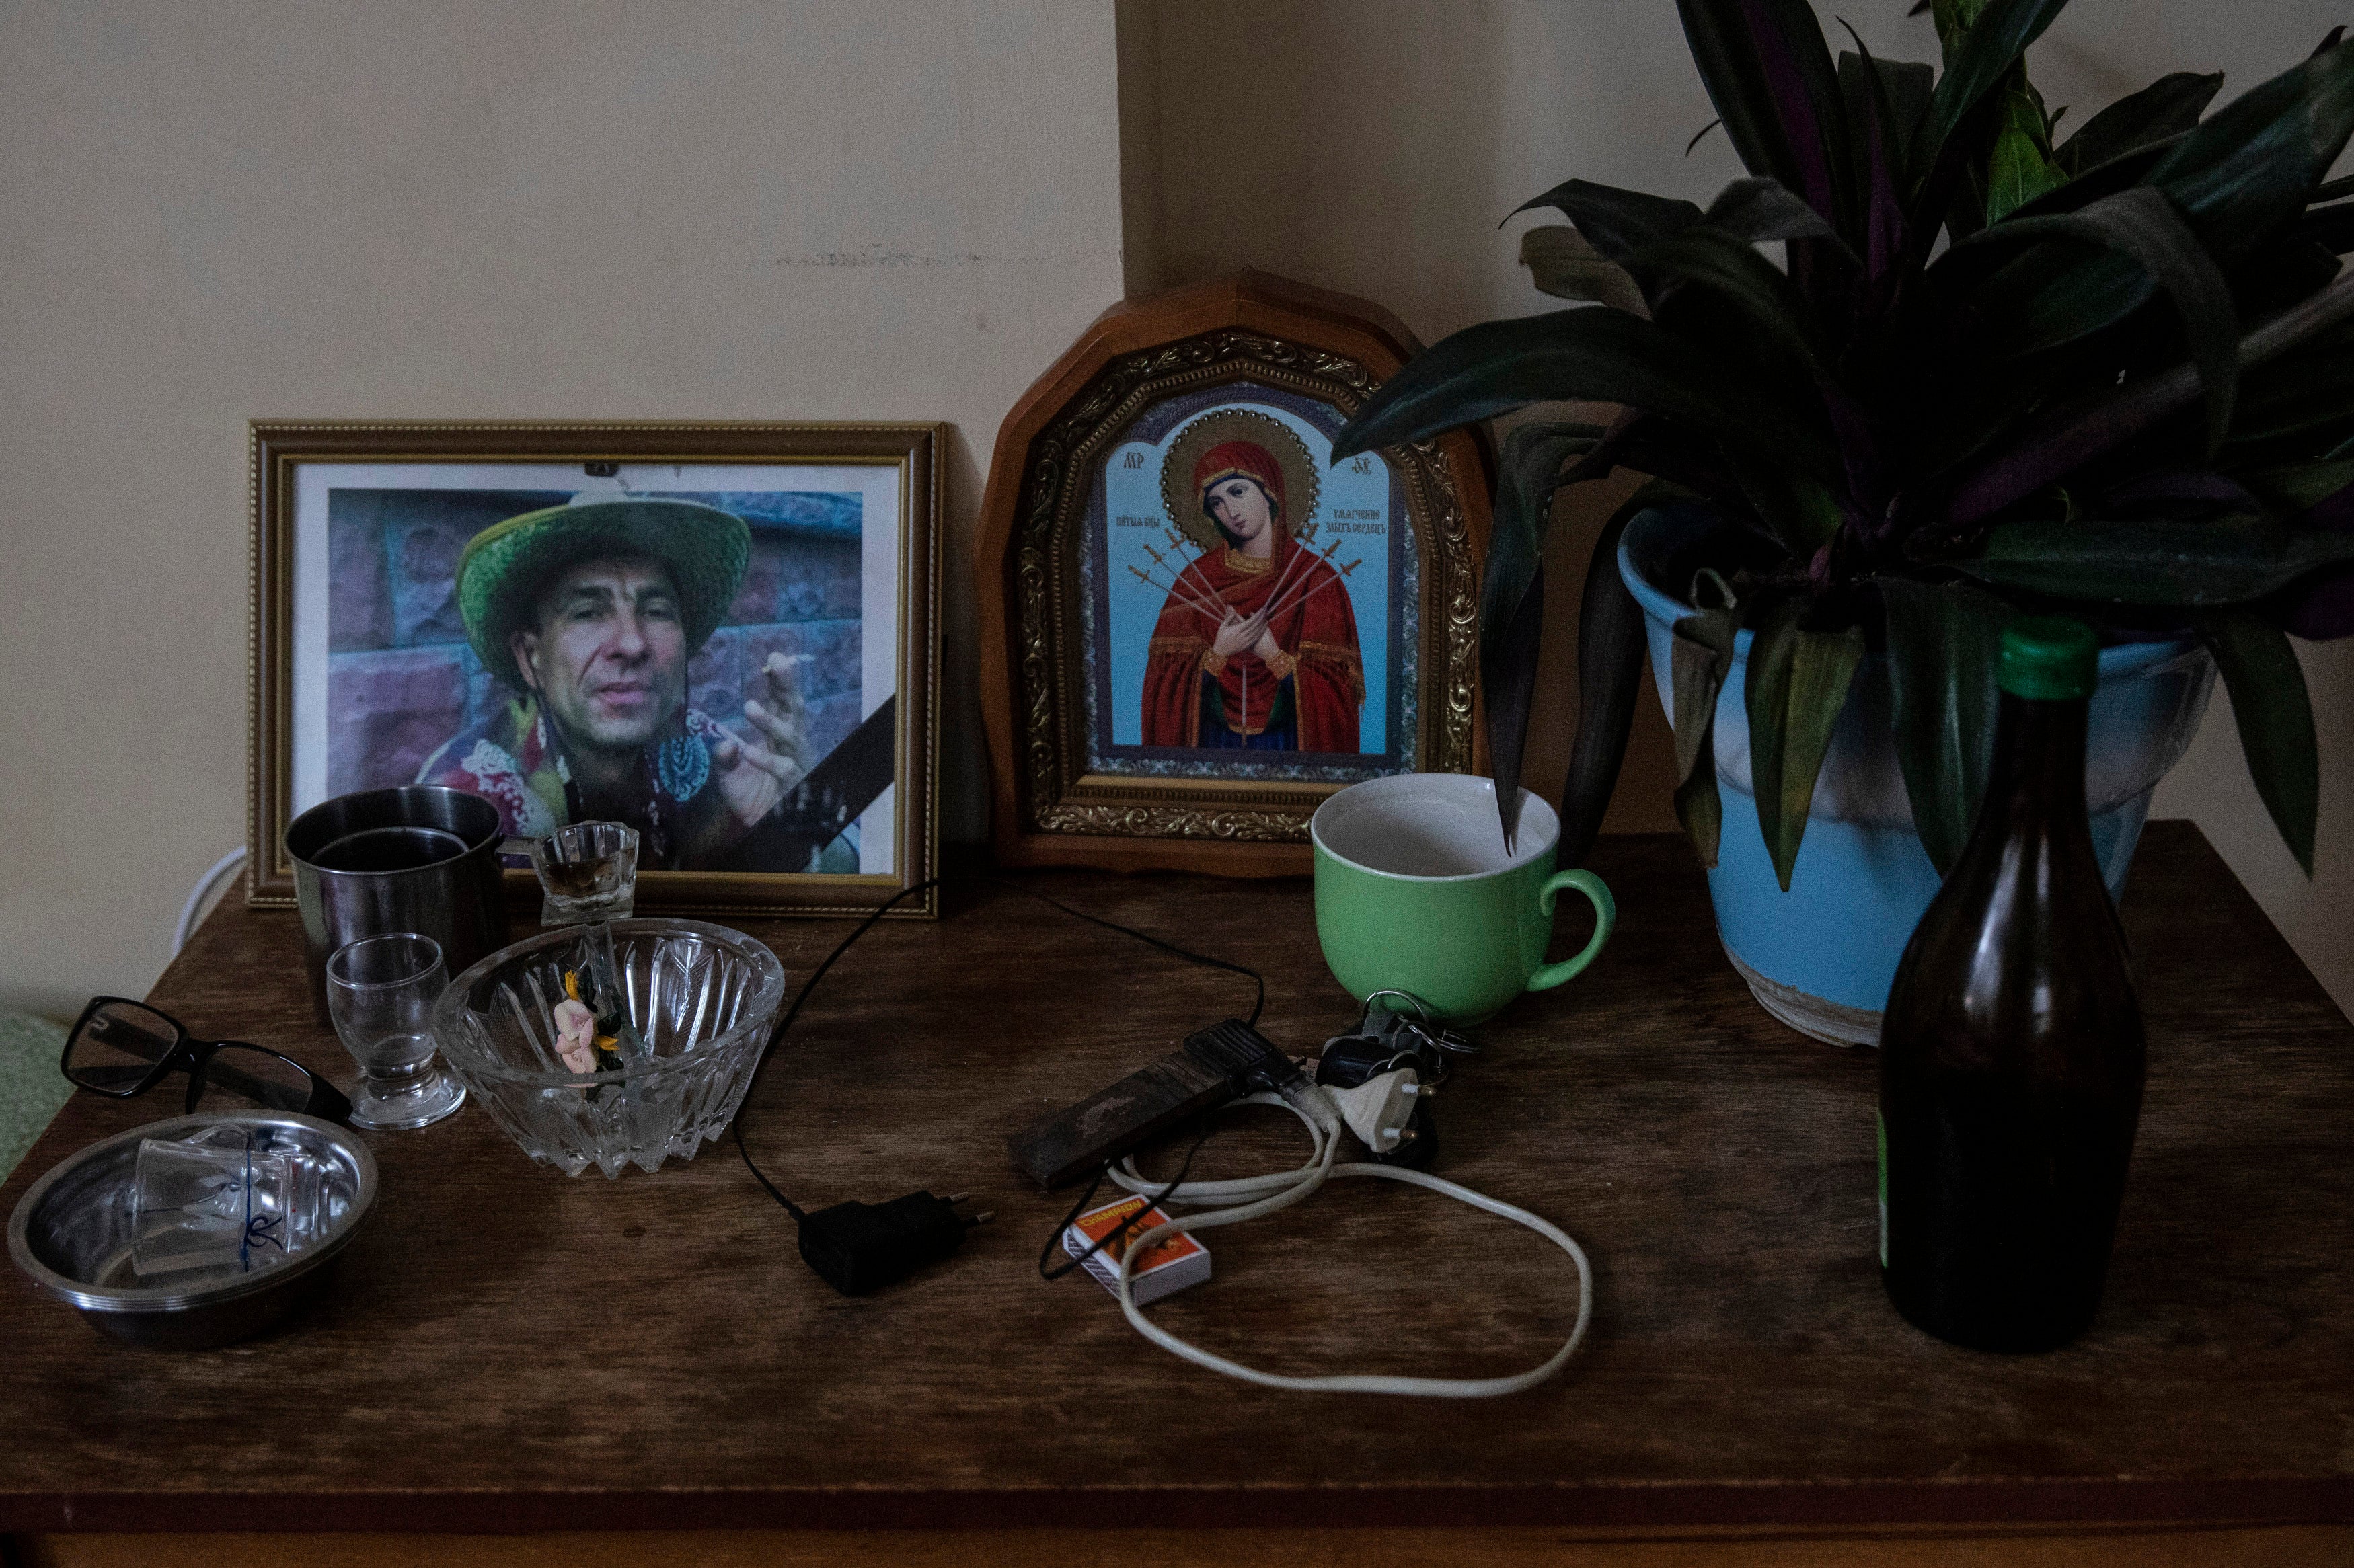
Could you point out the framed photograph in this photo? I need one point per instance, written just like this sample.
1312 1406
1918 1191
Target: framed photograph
722 635
1194 624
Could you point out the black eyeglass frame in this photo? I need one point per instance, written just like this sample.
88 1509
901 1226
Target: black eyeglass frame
194 1056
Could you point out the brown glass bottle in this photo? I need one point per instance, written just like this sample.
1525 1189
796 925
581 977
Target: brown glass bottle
2011 1051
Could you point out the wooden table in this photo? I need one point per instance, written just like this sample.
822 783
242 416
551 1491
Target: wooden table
508 1351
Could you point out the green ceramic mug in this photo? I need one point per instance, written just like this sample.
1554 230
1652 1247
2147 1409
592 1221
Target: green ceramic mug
1415 892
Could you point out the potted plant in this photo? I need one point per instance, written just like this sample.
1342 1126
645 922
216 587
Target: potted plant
2122 388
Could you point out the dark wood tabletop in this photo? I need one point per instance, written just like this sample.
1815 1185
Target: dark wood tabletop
507 1349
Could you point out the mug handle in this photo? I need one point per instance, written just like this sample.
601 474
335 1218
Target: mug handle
1606 917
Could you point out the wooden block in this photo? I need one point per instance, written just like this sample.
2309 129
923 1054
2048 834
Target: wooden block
1126 1116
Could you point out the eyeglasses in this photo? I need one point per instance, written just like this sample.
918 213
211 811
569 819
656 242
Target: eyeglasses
121 1048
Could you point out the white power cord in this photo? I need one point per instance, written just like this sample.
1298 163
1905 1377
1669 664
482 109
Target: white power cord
1249 1197
199 897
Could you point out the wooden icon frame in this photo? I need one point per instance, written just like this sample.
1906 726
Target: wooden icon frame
1054 800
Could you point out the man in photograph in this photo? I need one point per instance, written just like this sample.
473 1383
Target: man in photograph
591 613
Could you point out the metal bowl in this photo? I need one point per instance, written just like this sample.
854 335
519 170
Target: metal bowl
72 1234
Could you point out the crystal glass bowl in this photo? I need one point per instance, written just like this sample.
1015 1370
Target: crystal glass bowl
702 997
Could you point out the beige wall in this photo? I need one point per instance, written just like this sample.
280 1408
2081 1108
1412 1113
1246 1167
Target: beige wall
1373 145
891 209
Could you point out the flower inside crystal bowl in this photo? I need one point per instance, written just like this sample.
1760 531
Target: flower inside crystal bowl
701 1000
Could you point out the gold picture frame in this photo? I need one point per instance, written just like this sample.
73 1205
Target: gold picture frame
1079 775
843 518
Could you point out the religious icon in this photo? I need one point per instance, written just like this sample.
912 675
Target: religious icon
1259 604
1195 625
1256 648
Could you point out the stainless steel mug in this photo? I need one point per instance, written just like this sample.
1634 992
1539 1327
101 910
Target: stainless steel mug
418 858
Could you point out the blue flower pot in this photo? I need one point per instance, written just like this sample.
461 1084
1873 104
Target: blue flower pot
1821 956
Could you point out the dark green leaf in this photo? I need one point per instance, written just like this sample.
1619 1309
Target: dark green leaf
1511 597
1762 297
1564 264
1615 220
2153 563
1532 471
2256 163
1700 811
1884 103
1982 64
1716 614
2275 719
1692 462
2332 190
1702 658
2173 495
2018 165
1761 209
1591 355
2141 224
1797 683
2293 487
1510 642
1976 416
2167 107
2050 296
2297 392
1702 654
2237 179
2061 438
1610 659
2097 181
1799 511
2293 266
1959 195
2017 172
1943 639
1905 88
1772 82
2332 227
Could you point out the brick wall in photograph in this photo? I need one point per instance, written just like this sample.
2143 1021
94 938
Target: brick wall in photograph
402 679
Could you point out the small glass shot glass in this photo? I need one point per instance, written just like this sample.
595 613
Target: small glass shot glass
224 1210
589 872
380 994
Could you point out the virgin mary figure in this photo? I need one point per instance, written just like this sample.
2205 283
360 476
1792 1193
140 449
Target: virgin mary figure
1256 649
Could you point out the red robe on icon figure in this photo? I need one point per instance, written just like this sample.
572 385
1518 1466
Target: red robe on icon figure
1299 685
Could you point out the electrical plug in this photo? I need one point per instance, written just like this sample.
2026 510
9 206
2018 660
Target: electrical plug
857 1248
1379 1110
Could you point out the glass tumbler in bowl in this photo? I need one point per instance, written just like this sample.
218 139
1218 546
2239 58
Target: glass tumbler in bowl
701 997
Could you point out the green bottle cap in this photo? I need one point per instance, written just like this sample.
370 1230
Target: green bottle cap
2048 657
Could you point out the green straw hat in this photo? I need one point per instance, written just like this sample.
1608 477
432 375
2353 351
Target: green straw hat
499 573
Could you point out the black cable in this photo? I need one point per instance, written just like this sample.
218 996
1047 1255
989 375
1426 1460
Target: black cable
777 1036
1131 1223
744 1107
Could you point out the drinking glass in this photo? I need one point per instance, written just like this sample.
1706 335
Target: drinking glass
589 871
380 994
209 1207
